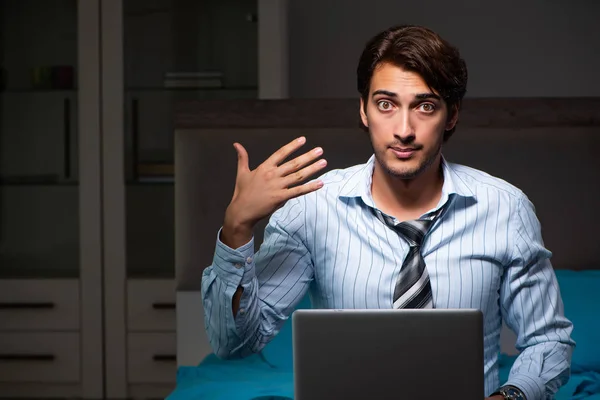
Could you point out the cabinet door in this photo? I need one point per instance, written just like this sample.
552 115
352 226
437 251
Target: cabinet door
156 53
49 192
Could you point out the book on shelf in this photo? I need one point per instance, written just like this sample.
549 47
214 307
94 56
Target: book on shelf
197 80
155 172
155 169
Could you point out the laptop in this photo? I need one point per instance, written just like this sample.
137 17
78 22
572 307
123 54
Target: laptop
423 354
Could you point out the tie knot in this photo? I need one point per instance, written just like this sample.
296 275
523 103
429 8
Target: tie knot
413 231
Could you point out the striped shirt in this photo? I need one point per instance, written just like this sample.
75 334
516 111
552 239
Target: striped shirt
485 252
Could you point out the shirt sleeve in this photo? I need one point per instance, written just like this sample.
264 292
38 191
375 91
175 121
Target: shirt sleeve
274 281
532 307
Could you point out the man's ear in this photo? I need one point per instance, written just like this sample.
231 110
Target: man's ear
452 118
363 115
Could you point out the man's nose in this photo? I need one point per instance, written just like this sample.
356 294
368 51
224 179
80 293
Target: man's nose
404 128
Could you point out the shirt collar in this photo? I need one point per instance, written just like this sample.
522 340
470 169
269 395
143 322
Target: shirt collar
359 185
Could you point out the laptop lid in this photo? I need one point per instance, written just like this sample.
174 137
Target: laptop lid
388 354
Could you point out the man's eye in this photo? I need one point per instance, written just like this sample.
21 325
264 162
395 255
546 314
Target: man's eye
384 105
427 107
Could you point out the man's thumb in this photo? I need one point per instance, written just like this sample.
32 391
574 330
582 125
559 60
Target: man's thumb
242 157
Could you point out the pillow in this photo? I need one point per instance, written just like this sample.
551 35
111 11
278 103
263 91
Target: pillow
279 351
579 290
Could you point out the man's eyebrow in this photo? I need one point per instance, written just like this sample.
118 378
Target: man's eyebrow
423 96
418 96
385 93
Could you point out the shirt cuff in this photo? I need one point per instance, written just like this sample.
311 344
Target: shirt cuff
234 266
532 387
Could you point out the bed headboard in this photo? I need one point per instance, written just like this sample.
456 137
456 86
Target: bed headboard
548 148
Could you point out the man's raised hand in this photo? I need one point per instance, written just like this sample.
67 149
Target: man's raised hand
261 191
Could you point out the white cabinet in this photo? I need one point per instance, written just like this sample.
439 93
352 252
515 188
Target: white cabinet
40 337
151 357
151 305
40 357
39 305
151 337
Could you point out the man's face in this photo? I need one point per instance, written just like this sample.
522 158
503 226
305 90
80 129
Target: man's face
406 121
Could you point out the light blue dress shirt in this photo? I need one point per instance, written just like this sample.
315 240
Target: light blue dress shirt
484 252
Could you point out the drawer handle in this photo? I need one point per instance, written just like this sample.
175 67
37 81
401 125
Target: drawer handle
163 306
164 357
27 357
24 306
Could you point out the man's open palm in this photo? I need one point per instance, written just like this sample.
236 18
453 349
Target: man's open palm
261 191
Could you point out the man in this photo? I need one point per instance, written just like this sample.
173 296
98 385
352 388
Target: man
406 229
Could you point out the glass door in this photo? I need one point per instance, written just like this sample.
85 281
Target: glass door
174 50
39 197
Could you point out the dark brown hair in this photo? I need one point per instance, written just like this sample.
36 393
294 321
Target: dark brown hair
417 49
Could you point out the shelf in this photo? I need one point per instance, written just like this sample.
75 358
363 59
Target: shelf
148 173
37 273
36 180
39 184
41 91
140 180
151 180
138 89
139 273
155 169
190 89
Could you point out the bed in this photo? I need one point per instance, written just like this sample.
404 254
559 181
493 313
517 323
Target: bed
547 147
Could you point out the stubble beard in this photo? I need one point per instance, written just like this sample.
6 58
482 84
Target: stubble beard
407 174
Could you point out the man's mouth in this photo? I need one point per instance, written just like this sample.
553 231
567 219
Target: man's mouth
403 152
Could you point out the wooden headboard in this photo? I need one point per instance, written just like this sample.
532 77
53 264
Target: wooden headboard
550 148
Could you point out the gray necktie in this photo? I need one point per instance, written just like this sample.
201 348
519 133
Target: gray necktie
413 289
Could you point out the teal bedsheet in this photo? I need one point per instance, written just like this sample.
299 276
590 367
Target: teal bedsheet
253 377
245 379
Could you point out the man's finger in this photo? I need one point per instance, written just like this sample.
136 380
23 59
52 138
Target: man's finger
306 172
304 189
281 154
242 158
300 161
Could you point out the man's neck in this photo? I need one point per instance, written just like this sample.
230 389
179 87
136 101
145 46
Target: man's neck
407 199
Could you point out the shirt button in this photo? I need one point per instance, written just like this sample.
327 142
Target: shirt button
249 260
238 265
242 311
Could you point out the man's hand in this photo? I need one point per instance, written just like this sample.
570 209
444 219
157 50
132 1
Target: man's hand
260 192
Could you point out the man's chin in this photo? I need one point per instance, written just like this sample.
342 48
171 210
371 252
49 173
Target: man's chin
403 172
